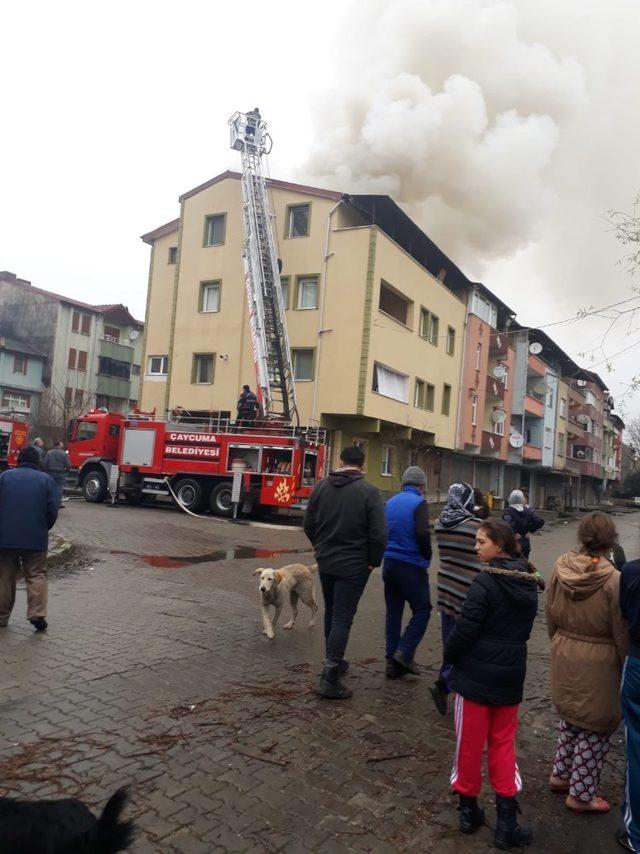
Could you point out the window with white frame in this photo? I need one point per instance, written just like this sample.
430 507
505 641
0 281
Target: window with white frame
303 363
498 428
202 370
429 326
478 356
390 383
505 376
550 398
210 296
563 407
388 460
474 410
298 220
17 401
418 394
451 340
483 309
214 229
561 444
157 365
548 439
307 293
590 398
284 290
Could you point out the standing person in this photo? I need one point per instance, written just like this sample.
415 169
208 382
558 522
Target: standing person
523 520
247 405
455 533
56 465
630 700
346 524
588 645
488 651
38 444
406 561
28 510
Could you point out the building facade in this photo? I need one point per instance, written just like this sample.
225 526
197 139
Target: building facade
21 370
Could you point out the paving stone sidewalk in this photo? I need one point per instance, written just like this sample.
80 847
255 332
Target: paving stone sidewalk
160 677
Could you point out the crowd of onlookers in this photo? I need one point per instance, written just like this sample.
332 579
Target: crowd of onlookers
488 597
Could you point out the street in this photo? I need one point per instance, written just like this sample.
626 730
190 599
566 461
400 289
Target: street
155 673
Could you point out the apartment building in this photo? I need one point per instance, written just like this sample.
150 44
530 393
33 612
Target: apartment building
93 353
374 312
21 368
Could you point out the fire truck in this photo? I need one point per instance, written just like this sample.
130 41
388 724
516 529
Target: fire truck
13 437
194 458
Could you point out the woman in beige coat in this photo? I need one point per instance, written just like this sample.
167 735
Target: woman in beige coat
588 647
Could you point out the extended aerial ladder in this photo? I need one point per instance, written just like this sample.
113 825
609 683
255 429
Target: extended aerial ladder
272 354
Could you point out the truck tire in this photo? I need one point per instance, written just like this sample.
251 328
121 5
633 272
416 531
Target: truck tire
94 486
188 492
220 501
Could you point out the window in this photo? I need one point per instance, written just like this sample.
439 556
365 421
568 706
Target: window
419 394
550 398
388 460
474 410
284 290
563 407
135 370
478 356
214 229
303 364
390 383
429 325
430 401
78 397
394 304
86 324
209 296
308 293
68 396
16 400
112 333
498 428
20 364
451 340
82 360
114 368
71 361
173 254
505 377
483 309
75 321
590 398
202 373
561 444
86 430
548 439
446 399
298 221
158 365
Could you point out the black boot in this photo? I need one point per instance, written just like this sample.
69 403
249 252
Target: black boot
406 664
508 833
330 686
471 815
39 624
343 667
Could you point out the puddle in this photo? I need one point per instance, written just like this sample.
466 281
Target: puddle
239 553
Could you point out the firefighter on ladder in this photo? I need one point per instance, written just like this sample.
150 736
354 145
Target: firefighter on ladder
247 406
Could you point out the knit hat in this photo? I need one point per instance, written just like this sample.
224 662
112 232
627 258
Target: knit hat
516 497
414 476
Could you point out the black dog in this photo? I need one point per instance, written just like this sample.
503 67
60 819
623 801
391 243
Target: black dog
63 827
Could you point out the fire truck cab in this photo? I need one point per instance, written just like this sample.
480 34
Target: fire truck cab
194 460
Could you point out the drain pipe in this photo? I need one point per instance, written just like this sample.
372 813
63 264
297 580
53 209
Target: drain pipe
321 329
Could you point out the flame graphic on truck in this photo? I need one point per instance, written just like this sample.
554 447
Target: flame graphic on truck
284 492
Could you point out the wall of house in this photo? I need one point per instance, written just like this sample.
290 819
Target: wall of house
550 418
562 414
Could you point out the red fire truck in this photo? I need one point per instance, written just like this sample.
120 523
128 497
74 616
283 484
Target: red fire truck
194 461
13 437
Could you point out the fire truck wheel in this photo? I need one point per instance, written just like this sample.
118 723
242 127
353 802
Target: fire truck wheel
221 504
188 492
94 486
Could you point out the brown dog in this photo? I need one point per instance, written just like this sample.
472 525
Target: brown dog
294 581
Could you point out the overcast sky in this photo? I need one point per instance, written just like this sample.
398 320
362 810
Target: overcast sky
506 129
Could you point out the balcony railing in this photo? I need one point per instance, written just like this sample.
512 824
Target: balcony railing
499 343
532 453
574 429
495 388
533 406
491 443
535 365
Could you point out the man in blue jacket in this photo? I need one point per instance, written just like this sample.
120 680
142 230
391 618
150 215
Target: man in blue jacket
28 510
629 837
406 560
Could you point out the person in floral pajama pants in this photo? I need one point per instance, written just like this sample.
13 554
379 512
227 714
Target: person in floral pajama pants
578 760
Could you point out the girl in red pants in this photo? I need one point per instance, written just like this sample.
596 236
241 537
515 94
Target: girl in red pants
488 652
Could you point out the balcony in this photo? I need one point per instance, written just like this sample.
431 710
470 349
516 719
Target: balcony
536 366
590 441
533 406
491 443
573 466
111 349
495 388
590 469
499 343
574 429
532 454
113 387
576 397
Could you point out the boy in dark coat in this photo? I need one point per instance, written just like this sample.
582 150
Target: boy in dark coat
488 651
523 520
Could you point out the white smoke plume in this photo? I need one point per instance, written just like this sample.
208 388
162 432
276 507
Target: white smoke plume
450 108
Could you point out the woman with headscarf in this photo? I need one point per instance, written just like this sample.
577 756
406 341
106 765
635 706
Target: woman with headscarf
523 520
455 533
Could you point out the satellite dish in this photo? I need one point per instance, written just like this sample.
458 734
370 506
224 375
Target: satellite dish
498 416
499 372
516 440
580 454
133 334
535 347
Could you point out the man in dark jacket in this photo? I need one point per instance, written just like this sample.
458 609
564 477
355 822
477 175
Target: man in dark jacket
56 465
28 510
406 561
346 524
247 405
629 837
523 520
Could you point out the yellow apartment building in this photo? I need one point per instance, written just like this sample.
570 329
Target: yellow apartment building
376 334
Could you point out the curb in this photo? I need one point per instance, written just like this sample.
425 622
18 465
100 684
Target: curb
60 551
